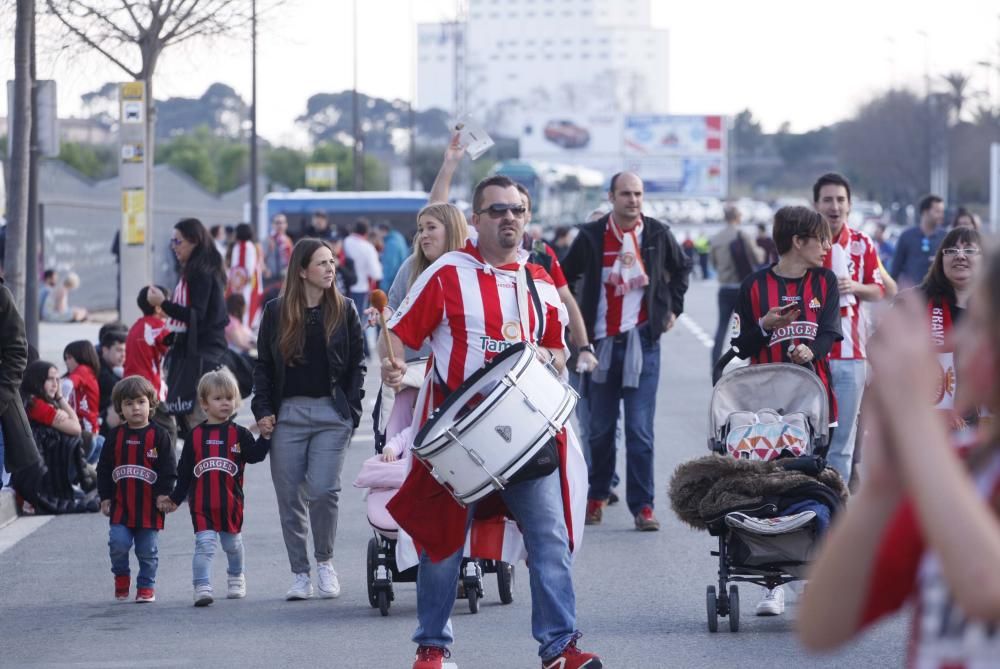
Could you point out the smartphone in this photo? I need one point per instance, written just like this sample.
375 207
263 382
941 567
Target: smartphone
788 308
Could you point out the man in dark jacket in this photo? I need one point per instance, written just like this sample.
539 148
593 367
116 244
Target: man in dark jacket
634 277
20 454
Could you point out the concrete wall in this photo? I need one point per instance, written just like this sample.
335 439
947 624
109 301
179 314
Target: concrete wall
80 219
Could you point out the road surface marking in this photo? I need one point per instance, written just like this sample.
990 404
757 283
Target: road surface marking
696 330
19 529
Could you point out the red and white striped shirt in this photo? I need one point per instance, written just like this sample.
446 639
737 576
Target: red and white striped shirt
180 297
469 311
617 313
855 250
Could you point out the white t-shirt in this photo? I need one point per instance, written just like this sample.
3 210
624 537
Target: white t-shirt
366 262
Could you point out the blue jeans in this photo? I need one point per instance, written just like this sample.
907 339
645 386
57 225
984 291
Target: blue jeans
640 407
537 505
204 551
95 449
120 539
848 383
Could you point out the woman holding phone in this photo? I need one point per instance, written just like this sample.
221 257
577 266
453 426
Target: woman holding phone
790 312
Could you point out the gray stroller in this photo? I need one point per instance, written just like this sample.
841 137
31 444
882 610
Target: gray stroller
766 492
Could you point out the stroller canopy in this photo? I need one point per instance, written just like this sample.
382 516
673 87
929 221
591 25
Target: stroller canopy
781 386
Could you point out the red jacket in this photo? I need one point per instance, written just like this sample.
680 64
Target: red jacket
86 397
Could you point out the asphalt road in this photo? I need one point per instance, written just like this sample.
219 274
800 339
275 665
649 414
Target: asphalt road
640 597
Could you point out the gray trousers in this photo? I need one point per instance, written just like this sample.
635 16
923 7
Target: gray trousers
307 453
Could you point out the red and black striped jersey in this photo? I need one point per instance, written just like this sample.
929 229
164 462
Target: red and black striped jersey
210 474
136 466
818 324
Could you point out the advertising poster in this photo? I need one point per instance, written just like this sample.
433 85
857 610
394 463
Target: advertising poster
563 137
134 215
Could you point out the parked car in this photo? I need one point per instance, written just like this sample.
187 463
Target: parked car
567 134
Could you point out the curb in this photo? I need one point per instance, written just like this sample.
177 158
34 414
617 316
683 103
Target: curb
8 508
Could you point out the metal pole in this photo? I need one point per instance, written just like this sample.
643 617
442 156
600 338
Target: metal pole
254 198
357 162
31 312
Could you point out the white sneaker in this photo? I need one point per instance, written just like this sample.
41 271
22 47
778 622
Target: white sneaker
329 584
302 588
237 587
203 595
773 603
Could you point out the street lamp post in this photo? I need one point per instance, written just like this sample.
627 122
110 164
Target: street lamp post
253 117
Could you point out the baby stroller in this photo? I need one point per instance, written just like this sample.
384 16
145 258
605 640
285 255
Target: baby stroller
383 479
766 493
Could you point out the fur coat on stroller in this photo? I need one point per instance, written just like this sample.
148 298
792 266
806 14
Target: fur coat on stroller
707 488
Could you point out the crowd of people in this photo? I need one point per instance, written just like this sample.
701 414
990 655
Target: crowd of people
291 315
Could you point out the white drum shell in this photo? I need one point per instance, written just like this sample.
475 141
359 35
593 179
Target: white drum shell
528 406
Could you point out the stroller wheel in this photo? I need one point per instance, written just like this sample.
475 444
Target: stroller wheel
734 609
473 596
383 602
505 582
372 565
710 604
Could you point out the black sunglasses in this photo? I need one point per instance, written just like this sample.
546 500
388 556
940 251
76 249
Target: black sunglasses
498 210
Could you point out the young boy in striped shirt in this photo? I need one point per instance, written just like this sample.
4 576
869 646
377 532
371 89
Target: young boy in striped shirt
135 473
210 477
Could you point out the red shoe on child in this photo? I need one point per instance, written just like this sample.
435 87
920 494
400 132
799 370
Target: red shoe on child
122 585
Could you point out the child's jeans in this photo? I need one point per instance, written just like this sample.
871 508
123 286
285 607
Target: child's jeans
204 551
120 539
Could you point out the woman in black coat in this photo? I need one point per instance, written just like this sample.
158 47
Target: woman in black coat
307 390
197 314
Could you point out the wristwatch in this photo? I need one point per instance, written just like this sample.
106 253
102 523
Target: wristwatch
589 348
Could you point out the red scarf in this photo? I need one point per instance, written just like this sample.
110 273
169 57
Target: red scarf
939 313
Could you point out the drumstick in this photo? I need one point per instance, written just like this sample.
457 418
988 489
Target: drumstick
380 301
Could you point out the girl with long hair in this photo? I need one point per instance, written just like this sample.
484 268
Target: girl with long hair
307 392
198 305
81 386
924 526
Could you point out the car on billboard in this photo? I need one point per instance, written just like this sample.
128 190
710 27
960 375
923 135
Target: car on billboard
566 134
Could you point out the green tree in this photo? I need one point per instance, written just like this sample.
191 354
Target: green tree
91 160
285 167
190 154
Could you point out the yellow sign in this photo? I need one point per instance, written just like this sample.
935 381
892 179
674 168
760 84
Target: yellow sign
133 90
321 175
134 216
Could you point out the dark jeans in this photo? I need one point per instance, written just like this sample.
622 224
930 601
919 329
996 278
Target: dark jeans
361 303
727 303
640 408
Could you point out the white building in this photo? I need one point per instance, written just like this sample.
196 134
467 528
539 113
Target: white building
512 59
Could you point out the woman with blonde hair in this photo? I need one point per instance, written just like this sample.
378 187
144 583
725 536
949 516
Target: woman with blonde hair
307 391
924 526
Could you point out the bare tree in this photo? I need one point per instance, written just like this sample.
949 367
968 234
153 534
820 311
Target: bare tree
133 34
20 138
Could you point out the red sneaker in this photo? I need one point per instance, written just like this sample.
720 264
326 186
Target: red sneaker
573 658
645 521
143 595
430 657
595 512
122 584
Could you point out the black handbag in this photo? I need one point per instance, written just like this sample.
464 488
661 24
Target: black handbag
185 368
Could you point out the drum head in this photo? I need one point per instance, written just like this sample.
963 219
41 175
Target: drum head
471 394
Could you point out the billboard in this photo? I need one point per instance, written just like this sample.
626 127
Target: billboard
564 137
677 155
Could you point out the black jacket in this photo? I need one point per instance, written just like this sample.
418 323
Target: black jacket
345 358
666 265
207 307
19 446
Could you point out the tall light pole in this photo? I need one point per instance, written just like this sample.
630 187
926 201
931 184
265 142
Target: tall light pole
254 197
357 161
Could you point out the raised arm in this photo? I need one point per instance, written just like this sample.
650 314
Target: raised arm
452 159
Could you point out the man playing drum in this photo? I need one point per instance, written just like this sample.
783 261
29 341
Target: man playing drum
466 303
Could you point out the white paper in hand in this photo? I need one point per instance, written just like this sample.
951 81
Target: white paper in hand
476 140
